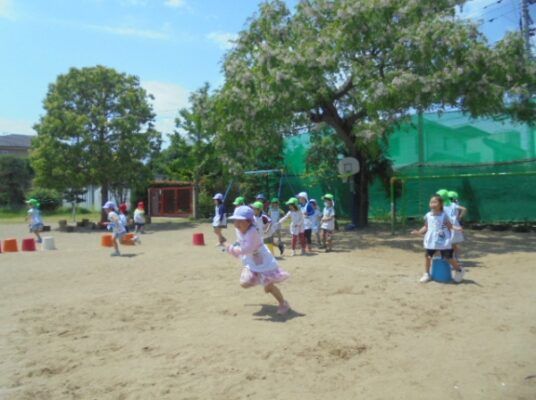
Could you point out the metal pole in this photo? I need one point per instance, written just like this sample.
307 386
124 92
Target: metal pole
526 23
393 208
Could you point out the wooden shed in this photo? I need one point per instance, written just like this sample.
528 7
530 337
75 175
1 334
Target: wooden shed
171 199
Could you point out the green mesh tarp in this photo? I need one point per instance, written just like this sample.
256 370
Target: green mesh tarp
455 153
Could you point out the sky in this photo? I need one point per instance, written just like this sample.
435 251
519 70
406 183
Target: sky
173 46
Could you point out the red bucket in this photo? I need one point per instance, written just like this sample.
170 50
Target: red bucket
28 244
198 239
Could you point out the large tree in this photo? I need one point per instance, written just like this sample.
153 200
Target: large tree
361 66
97 129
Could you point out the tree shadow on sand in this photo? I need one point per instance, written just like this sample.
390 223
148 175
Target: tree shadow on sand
476 245
268 312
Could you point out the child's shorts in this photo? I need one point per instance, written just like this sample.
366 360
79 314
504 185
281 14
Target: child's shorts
118 235
36 227
250 278
457 237
328 233
444 253
139 225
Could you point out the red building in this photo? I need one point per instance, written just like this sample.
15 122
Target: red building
171 199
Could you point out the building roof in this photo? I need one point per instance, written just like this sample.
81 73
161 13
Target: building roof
15 140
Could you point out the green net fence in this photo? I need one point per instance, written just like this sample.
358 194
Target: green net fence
490 163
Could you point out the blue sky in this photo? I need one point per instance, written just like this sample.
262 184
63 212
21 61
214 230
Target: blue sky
172 45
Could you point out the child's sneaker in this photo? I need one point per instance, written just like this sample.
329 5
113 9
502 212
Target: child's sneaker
137 239
39 240
293 253
116 254
458 274
281 247
283 308
303 252
425 278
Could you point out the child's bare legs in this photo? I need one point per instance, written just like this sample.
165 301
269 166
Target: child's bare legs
454 264
38 236
116 246
318 241
221 239
427 263
456 251
274 291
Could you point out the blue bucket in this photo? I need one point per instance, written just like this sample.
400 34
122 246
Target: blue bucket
441 270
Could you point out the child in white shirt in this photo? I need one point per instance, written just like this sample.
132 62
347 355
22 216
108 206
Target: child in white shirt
328 222
296 224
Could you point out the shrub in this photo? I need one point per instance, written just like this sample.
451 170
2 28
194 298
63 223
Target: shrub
50 199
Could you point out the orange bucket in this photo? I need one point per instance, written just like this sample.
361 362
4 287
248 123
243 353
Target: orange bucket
128 239
107 240
10 246
28 244
198 239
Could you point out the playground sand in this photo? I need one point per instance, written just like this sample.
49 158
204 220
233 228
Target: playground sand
169 321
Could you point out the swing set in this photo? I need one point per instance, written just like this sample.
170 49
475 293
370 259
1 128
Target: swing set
266 173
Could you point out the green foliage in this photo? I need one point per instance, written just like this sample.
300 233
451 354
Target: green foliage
361 67
15 179
97 129
49 199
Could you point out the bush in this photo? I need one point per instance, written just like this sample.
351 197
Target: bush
50 199
206 205
15 177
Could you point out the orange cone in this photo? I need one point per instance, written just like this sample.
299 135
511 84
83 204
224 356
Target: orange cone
10 246
107 240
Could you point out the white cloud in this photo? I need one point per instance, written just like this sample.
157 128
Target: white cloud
128 31
168 99
6 9
21 126
223 39
175 3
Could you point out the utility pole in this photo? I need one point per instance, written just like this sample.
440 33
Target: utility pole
526 25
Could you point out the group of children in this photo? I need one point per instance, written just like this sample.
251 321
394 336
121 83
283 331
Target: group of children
259 225
118 222
443 233
305 215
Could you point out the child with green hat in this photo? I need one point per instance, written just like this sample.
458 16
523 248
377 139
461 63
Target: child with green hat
296 224
239 201
34 216
275 213
262 222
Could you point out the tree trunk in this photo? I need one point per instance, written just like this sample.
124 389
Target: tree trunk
360 200
104 199
196 199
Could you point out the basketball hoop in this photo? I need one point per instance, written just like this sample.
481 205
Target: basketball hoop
348 167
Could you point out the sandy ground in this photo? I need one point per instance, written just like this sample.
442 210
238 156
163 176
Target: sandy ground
169 321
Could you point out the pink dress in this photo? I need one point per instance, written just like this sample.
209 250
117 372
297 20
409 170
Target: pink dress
260 266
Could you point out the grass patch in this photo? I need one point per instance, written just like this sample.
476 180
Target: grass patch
14 216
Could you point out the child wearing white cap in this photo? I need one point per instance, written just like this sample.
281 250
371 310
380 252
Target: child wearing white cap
259 265
115 225
219 222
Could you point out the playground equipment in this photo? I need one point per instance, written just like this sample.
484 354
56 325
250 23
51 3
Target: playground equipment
198 239
107 240
10 246
48 243
128 239
280 175
441 270
28 244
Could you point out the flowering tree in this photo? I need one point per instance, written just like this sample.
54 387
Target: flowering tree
361 66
